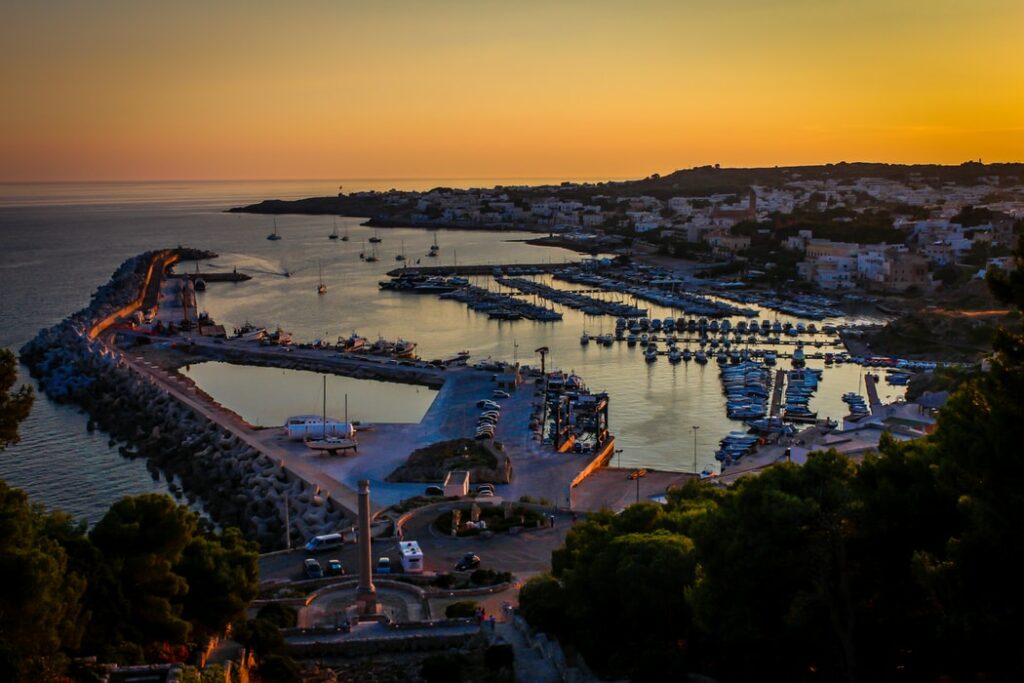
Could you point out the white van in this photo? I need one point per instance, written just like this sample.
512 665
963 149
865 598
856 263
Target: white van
325 542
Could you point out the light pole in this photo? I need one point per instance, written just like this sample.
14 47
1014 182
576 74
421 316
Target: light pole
695 428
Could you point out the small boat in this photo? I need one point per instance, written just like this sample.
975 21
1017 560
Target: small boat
404 348
322 287
433 247
700 357
584 339
334 235
353 343
273 237
375 239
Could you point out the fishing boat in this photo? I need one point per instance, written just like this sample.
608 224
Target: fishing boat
273 237
405 349
353 343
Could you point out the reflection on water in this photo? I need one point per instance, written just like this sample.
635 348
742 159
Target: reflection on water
269 396
62 241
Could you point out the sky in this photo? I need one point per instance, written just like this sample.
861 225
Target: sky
105 90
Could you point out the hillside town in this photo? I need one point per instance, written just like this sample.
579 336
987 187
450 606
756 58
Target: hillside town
919 225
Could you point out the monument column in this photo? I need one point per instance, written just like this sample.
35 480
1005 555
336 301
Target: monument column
366 594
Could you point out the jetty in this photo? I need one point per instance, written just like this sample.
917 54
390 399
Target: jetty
483 269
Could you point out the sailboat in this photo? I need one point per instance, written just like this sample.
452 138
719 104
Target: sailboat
433 247
372 257
334 436
375 239
334 235
322 287
401 255
273 237
344 238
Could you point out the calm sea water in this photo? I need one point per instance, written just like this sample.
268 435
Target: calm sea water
61 241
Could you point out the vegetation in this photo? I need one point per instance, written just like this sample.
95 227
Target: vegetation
147 583
899 567
431 463
14 407
461 609
495 519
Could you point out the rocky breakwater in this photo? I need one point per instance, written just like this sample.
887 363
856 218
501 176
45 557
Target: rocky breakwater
237 484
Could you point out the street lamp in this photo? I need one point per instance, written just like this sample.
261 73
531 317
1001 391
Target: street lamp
695 428
638 475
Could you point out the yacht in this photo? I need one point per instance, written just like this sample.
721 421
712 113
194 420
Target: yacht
798 357
674 356
651 355
584 339
687 355
375 239
700 357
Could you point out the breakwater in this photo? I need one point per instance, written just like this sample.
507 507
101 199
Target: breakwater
237 483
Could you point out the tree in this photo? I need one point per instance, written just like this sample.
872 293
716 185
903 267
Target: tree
222 574
141 539
14 407
39 597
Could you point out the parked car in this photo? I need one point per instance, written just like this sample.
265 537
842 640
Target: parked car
434 491
485 493
485 487
335 568
313 569
487 403
469 561
384 565
500 393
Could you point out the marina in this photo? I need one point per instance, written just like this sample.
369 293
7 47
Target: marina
644 405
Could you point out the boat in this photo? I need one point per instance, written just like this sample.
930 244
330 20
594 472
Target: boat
353 343
375 239
322 287
329 435
799 358
433 247
700 357
651 355
405 349
674 356
400 256
334 235
584 339
372 256
273 237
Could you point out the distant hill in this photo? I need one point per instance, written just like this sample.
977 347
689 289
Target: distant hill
692 182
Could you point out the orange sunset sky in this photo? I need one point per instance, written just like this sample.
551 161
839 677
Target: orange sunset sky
390 89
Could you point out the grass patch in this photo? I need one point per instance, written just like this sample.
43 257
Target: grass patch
431 463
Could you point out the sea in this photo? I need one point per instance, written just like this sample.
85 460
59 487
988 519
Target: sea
60 241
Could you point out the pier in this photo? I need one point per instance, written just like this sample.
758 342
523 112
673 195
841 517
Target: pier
578 301
780 380
510 268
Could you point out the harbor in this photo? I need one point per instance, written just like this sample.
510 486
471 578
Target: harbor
643 406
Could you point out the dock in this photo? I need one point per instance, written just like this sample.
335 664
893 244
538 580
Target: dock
780 380
510 268
871 386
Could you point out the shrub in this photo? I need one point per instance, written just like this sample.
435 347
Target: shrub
497 657
463 608
542 603
280 669
444 580
280 615
443 668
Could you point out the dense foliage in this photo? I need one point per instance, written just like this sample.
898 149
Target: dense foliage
14 406
900 567
145 584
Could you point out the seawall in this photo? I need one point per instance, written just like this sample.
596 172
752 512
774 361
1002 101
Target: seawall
238 485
